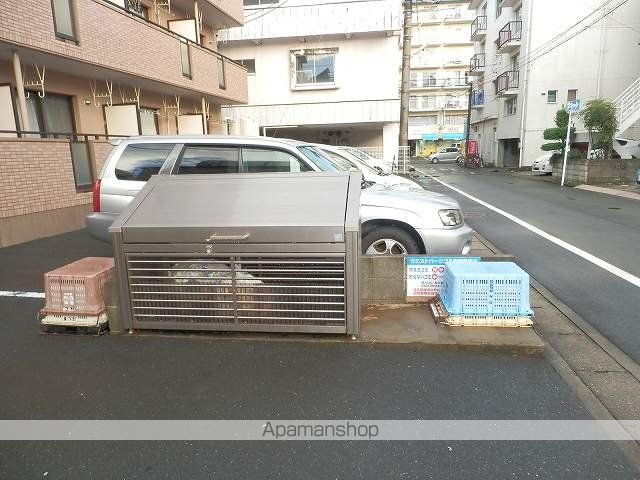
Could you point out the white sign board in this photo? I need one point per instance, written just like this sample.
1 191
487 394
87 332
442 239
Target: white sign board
425 274
191 124
122 119
185 28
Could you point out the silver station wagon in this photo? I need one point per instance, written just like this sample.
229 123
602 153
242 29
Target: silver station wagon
394 221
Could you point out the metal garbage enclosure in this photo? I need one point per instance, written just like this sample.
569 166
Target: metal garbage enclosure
245 252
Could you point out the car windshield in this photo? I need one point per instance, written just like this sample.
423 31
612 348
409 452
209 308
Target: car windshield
358 153
319 159
359 163
346 161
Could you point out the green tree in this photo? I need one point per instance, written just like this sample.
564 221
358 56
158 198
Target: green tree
600 117
559 133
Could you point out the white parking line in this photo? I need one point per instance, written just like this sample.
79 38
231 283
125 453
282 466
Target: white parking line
618 272
8 293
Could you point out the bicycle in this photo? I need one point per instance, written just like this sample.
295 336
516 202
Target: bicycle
473 161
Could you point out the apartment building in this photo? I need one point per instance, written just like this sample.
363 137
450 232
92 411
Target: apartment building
439 99
532 57
74 73
319 71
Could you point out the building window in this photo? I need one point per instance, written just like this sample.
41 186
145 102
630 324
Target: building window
572 95
185 58
455 119
50 115
552 96
252 3
222 82
511 106
249 64
63 20
81 162
314 68
498 8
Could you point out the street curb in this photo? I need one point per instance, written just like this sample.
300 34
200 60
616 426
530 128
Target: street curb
589 330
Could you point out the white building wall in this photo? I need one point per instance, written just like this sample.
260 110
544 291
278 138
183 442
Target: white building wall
600 62
440 50
364 99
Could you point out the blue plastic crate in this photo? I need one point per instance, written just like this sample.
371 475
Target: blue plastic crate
486 288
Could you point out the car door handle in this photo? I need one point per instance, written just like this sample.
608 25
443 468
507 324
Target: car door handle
215 237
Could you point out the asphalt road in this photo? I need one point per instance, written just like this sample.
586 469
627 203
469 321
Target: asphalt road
209 377
603 225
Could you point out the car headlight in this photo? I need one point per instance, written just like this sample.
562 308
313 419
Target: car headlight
450 218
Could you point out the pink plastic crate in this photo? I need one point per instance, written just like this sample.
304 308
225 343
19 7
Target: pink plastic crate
77 287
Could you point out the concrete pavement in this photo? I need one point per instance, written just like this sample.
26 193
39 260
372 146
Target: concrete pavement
198 376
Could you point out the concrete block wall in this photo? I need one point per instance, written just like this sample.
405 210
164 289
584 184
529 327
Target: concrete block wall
597 172
382 279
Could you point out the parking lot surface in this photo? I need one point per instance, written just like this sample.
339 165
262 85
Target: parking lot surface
218 377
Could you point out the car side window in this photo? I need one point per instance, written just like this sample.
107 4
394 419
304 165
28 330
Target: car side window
260 160
139 161
209 159
452 150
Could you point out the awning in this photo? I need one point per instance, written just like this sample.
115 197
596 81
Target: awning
431 137
453 136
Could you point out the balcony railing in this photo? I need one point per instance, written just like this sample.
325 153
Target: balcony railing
478 62
477 98
439 83
507 82
314 20
510 33
479 27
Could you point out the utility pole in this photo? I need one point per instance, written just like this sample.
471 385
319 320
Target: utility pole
406 74
468 132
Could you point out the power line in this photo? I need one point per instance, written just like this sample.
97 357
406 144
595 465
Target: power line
606 14
274 8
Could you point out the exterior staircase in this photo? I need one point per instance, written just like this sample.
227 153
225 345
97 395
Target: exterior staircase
628 104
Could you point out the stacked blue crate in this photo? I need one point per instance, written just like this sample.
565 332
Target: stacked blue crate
486 289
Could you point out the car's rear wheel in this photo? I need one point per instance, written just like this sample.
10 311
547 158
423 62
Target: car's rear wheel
389 241
434 160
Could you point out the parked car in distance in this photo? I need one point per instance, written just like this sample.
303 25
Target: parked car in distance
381 166
393 221
446 154
345 159
542 164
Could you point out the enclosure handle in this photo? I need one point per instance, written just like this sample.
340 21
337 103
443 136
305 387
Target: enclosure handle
215 237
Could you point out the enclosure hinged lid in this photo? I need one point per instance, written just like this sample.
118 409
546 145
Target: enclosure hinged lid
310 207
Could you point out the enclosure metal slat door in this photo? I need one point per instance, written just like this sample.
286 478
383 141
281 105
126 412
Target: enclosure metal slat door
248 292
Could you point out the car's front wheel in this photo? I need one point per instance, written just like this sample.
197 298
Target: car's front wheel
389 241
434 160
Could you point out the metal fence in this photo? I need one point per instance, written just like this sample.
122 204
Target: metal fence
400 161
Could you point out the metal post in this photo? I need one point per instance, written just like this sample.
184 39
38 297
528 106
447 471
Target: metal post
22 101
406 75
196 15
205 122
566 150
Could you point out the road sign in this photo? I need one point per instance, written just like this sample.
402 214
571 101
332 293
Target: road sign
574 106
